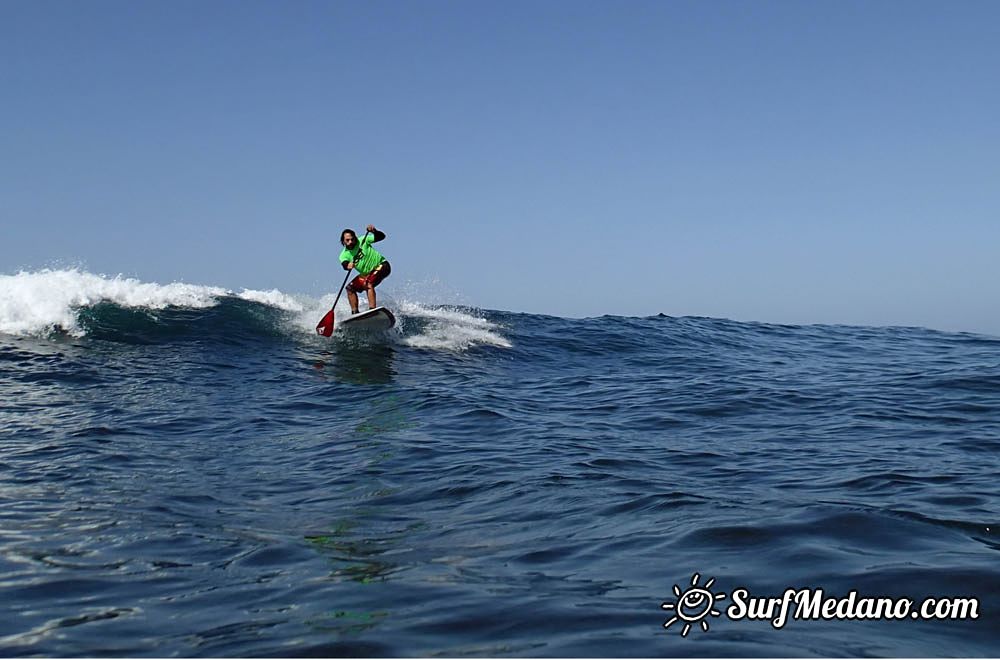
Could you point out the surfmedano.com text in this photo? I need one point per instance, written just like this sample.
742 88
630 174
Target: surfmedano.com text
815 605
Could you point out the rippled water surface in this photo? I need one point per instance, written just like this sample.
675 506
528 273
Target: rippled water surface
217 481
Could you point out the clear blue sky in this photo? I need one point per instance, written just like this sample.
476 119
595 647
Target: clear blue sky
833 162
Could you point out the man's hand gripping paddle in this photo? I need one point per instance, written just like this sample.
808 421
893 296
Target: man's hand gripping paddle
325 326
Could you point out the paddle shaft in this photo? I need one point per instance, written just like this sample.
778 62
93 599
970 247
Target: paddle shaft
337 299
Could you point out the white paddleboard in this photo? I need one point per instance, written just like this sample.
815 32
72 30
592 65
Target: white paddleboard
379 318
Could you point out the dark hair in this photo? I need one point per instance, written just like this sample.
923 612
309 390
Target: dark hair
348 231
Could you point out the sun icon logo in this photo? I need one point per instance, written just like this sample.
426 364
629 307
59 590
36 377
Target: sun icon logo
693 605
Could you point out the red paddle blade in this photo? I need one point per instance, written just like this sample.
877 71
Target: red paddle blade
325 327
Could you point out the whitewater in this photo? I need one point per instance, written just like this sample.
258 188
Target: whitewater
41 303
188 470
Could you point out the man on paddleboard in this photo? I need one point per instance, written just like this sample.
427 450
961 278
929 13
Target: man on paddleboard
372 267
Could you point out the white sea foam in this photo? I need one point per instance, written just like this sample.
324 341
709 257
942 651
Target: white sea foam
34 303
450 329
273 298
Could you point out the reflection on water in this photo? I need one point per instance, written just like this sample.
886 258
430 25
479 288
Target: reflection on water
359 363
388 414
345 622
353 556
356 544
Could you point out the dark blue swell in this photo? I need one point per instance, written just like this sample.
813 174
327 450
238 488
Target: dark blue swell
219 483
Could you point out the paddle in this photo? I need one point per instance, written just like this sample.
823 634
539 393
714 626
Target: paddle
325 326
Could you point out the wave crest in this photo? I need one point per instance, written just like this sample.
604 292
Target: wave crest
45 301
78 303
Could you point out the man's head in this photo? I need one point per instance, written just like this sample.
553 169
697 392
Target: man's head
348 238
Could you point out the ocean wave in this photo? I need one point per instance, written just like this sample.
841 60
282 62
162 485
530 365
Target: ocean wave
39 303
206 463
82 304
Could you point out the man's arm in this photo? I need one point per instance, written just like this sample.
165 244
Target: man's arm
376 234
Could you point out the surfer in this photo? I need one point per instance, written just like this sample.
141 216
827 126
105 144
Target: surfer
372 267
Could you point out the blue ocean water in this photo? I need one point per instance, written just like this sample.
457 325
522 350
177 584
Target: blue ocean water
192 472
